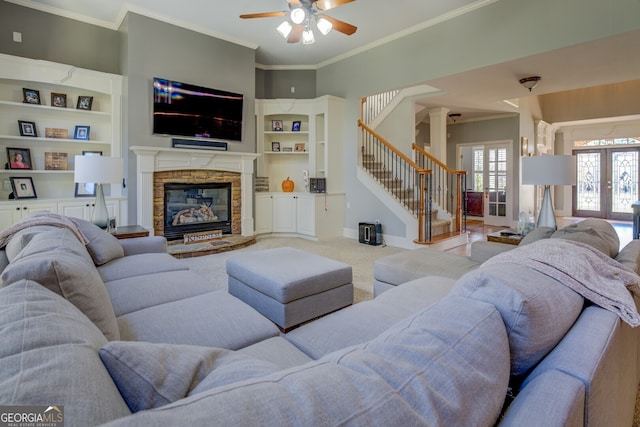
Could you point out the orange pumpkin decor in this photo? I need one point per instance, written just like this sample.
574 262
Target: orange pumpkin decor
287 185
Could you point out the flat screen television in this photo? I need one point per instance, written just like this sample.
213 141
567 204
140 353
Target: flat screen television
182 109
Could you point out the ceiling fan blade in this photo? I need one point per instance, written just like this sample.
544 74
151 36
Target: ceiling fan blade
262 15
296 33
330 4
341 26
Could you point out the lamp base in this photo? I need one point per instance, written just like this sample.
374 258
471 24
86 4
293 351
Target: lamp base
100 216
546 217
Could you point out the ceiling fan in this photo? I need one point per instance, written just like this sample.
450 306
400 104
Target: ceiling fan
301 13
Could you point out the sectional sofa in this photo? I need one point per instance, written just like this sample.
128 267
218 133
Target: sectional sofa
119 333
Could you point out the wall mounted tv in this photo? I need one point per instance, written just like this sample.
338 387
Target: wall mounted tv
182 109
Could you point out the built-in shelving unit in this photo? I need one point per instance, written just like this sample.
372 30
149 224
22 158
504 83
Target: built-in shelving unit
55 188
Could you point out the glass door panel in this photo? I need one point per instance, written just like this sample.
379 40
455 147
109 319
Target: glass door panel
497 200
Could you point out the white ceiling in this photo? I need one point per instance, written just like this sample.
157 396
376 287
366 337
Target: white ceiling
475 93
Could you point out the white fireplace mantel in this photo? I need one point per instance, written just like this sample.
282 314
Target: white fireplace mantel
152 159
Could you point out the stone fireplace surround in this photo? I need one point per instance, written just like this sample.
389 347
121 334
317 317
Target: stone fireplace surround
156 165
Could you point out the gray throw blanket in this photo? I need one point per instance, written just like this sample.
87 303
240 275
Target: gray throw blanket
589 272
42 218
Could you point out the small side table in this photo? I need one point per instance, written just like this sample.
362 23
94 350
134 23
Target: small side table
511 239
130 231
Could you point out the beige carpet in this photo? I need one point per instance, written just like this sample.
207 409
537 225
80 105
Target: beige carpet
349 251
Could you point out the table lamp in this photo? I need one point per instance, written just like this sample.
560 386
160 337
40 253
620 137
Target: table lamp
99 170
548 171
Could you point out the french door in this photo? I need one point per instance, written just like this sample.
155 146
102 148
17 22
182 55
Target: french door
606 182
496 179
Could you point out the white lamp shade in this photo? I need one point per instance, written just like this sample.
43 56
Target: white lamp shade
324 26
549 170
98 169
284 29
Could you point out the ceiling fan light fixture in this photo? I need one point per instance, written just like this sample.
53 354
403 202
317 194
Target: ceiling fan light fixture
324 26
530 82
284 29
297 15
307 36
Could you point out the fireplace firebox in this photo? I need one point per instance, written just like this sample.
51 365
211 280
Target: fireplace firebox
191 208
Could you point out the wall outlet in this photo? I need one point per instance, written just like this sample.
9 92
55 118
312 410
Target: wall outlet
6 185
17 37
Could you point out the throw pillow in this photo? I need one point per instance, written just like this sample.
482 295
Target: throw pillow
22 238
537 234
151 375
537 310
103 247
595 232
59 262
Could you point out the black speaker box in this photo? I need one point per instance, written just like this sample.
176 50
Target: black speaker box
370 234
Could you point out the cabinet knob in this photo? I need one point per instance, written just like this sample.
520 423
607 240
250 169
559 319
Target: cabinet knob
18 208
24 208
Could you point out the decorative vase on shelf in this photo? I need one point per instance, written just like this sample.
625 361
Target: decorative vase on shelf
287 185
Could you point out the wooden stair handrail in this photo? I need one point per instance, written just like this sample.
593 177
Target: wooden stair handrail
400 154
438 162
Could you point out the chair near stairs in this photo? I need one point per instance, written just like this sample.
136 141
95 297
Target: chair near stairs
422 186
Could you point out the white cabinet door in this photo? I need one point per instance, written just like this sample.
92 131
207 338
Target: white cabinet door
80 210
9 215
39 206
284 213
84 209
306 214
264 213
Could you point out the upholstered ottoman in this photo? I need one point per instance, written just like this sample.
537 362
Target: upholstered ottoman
290 286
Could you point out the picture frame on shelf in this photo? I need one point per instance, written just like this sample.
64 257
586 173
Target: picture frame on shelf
287 149
295 126
59 100
82 133
23 187
30 96
275 146
58 133
298 147
84 103
276 125
56 161
27 128
19 158
86 189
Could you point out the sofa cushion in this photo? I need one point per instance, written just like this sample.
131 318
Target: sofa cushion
410 265
139 265
22 238
429 369
58 261
103 247
135 293
630 256
364 321
49 355
214 319
153 375
595 232
536 309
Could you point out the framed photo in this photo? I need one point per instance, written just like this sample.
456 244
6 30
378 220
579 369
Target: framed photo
81 132
56 161
275 146
287 149
87 189
27 128
30 96
295 127
276 125
299 147
23 188
59 100
19 158
84 103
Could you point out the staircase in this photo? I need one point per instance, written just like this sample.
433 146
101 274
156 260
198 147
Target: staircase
404 194
424 186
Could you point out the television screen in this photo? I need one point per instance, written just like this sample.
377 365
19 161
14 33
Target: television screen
182 109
